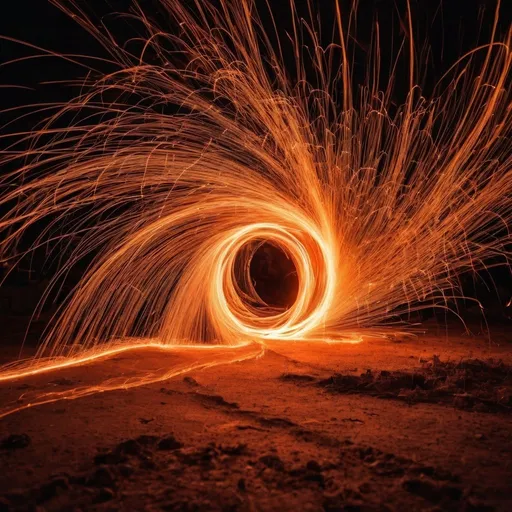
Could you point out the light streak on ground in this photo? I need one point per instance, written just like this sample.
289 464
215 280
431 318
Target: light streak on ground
215 356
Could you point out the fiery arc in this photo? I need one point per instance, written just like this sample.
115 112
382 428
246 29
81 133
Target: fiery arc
200 144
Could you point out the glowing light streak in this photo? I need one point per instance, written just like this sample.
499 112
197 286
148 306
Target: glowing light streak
222 355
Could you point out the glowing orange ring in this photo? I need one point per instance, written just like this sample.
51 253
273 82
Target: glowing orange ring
316 275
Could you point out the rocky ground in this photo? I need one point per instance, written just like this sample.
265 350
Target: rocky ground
421 424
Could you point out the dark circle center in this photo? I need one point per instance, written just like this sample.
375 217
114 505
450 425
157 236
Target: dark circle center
274 276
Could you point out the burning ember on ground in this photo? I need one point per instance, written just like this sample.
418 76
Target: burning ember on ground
235 197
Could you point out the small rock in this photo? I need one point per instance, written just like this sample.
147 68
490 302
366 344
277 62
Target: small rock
16 498
367 454
431 490
78 479
62 382
313 465
126 470
238 449
51 489
273 462
203 456
15 442
191 382
102 477
366 487
340 503
316 477
147 440
129 447
147 463
104 495
109 458
462 401
169 443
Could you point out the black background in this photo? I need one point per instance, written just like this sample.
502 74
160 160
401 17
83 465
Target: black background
447 29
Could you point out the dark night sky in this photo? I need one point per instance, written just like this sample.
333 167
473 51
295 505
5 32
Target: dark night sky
451 28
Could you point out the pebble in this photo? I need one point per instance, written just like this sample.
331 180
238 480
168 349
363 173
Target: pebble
15 442
169 443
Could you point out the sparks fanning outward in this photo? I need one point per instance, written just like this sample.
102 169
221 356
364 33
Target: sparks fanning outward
177 166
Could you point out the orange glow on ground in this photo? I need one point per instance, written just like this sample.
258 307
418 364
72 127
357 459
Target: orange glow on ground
203 356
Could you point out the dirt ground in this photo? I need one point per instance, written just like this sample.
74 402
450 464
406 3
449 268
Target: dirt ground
418 424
